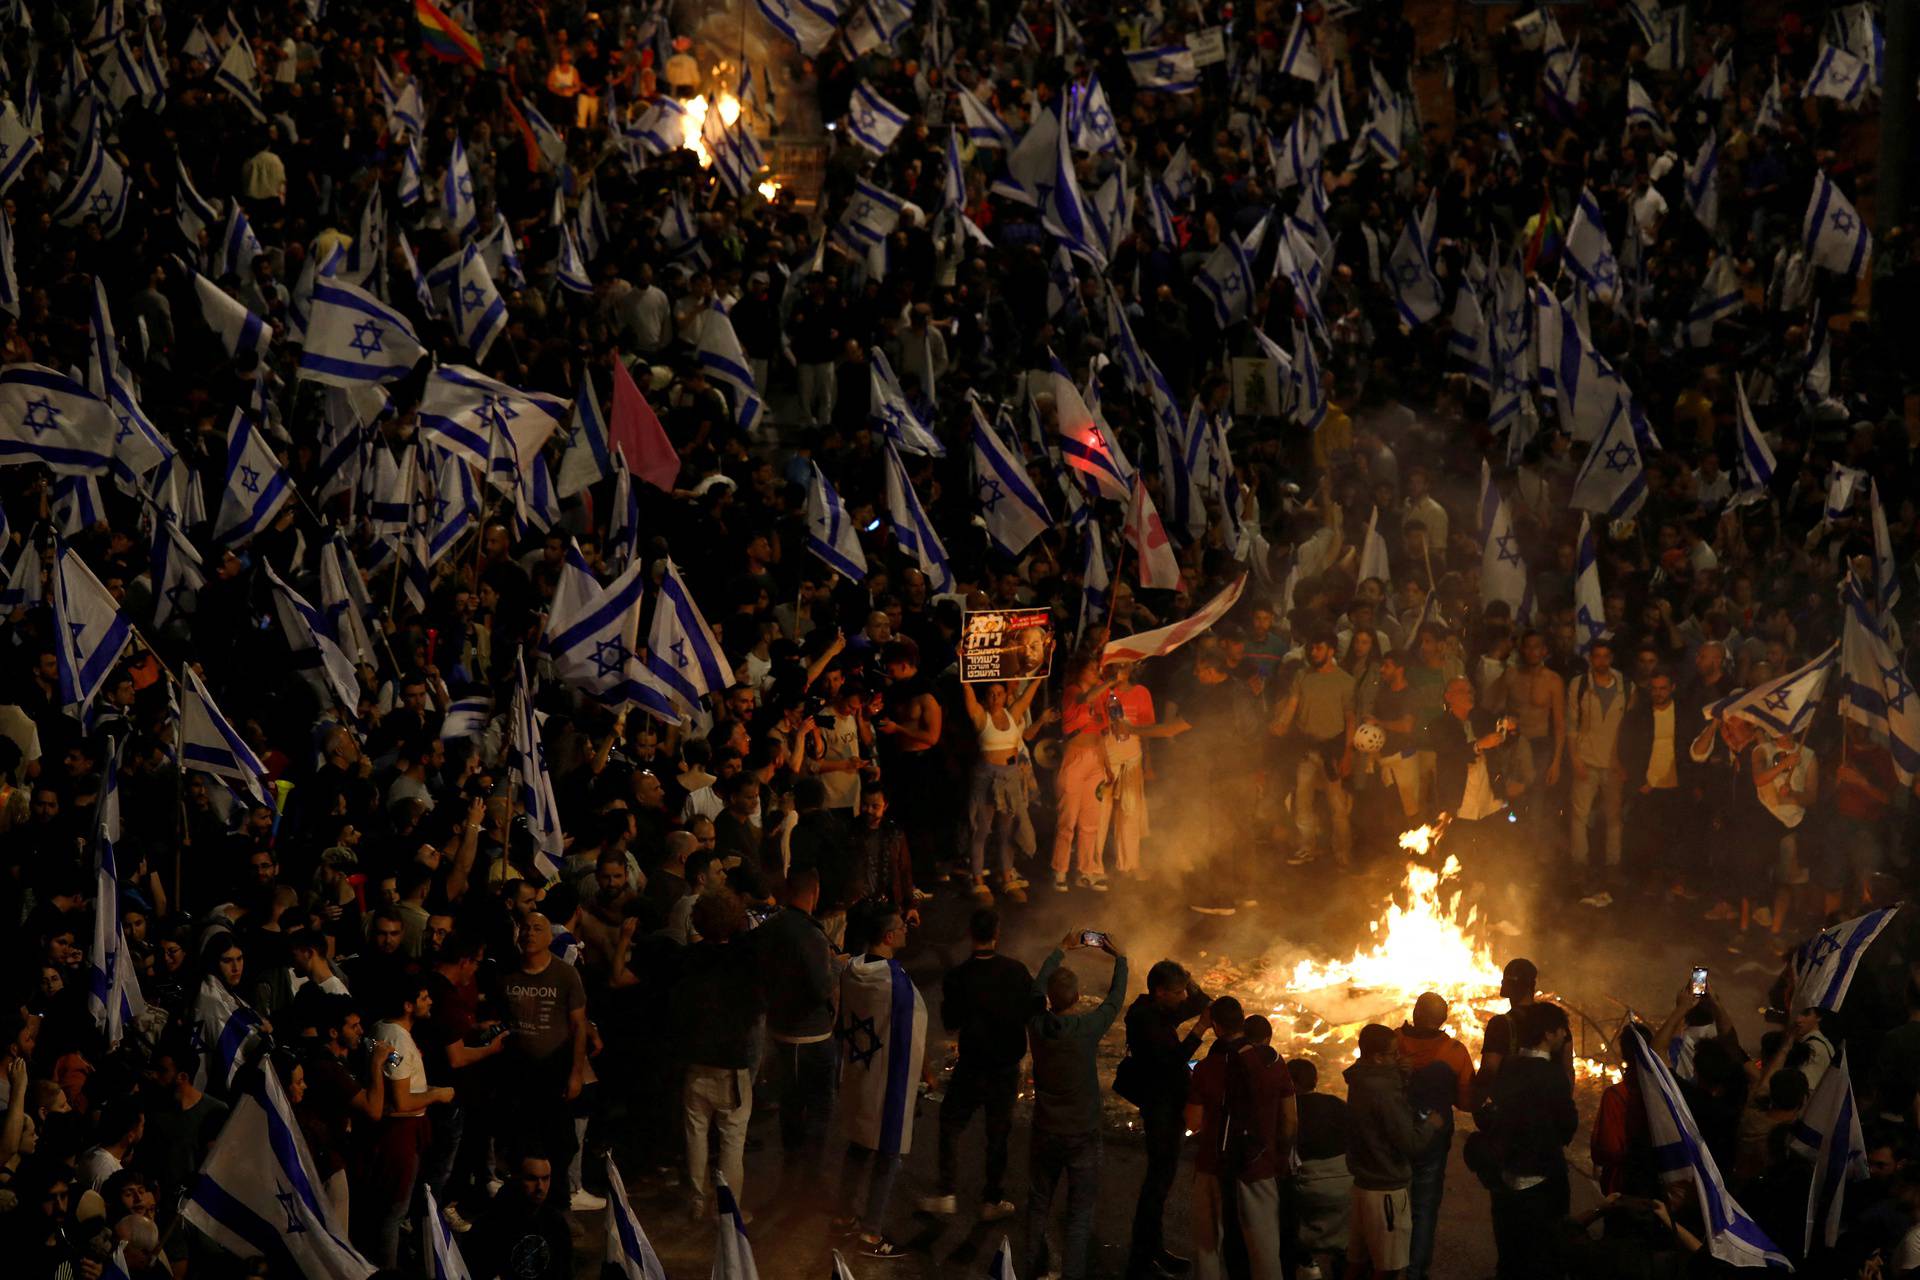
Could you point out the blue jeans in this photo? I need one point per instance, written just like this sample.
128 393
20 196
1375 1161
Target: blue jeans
881 1168
1424 1192
1077 1155
803 1080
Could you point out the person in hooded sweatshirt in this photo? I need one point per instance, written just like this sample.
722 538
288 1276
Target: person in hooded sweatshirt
1384 1135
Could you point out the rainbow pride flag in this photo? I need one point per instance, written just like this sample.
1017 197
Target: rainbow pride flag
443 38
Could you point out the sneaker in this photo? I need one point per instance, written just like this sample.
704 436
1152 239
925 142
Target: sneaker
1018 881
982 894
995 1210
1014 895
584 1201
1763 916
1098 884
1723 911
1597 900
1302 856
940 1206
455 1223
1059 882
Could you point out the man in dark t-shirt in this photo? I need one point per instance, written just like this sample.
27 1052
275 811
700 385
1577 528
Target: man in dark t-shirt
546 1059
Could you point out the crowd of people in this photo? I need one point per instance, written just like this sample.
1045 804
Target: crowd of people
485 588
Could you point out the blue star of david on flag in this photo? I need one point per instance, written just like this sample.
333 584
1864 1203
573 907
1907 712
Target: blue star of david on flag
990 493
1898 688
1779 699
1620 456
1843 220
679 650
249 479
42 415
470 294
366 338
609 656
1509 551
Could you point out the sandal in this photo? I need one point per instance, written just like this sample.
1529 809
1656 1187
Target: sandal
881 1247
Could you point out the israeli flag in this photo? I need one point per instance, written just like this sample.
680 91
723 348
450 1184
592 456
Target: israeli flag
354 339
466 717
113 988
623 521
1589 254
732 1252
22 585
238 328
238 247
1416 289
736 153
628 1250
422 295
138 446
720 354
225 1027
869 218
1033 165
1085 443
1660 29
18 145
176 570
1785 703
1066 213
1299 56
872 121
1467 336
1843 483
984 128
210 744
456 196
1771 113
831 533
347 419
1717 83
255 487
1832 233
98 192
1503 574
807 23
1874 688
1703 183
1009 504
585 460
1309 400
570 269
1731 1235
1090 122
455 507
200 47
1640 109
682 650
479 314
1753 459
1828 1134
259 1194
346 607
444 1260
1330 113
90 632
876 23
593 637
1838 75
1095 582
1719 297
501 255
1386 126
1613 479
319 659
408 112
1886 570
911 527
240 76
1226 277
527 768
1589 605
1823 965
1167 69
660 128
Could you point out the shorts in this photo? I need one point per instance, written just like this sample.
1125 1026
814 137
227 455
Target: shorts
1382 1229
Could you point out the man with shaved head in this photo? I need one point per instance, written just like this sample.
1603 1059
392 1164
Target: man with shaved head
1439 1080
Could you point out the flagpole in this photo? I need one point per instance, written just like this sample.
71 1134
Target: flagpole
1113 588
180 805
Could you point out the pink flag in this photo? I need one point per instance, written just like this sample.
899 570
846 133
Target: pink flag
1152 644
635 430
1158 567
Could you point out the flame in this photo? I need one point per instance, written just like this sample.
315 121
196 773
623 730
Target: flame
1423 941
693 124
769 190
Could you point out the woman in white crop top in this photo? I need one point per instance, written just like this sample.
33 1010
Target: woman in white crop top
1000 792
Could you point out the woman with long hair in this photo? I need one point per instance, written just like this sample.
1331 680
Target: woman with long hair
226 1021
999 793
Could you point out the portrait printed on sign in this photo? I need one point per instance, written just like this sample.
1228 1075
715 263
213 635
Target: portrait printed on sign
1005 644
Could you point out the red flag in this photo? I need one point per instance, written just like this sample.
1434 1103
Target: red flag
634 429
1151 644
1159 569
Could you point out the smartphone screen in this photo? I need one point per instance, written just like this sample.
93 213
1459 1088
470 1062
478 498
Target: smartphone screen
1699 986
1092 938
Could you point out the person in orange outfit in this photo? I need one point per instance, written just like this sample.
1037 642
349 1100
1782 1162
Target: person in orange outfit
1103 721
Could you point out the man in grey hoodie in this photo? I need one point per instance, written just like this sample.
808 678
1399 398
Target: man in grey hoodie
1384 1134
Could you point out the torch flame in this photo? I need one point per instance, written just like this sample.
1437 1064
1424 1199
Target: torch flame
693 124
